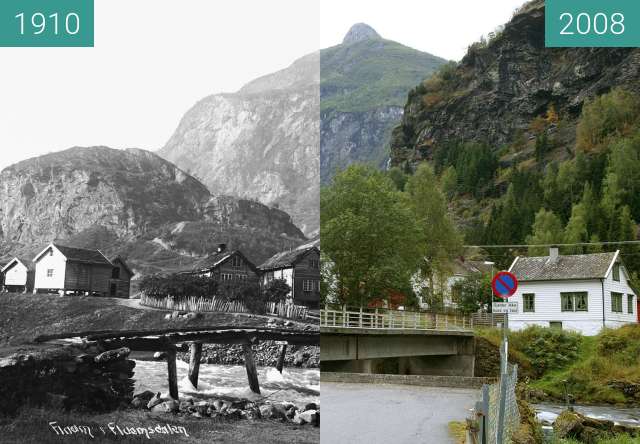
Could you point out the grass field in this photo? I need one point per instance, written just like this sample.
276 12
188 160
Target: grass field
588 364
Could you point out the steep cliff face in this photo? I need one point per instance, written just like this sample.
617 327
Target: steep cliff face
259 143
130 202
364 84
500 87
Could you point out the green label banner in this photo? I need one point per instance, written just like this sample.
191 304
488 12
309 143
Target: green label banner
592 23
46 23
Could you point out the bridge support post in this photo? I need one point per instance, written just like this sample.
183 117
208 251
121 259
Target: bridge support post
172 373
283 352
250 365
195 353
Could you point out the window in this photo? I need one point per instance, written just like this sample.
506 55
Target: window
577 301
528 302
616 272
556 324
116 273
307 285
226 276
236 262
314 263
630 303
616 302
49 272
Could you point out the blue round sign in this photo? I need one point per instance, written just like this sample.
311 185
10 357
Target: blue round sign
504 284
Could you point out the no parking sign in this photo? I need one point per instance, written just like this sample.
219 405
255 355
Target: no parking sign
504 284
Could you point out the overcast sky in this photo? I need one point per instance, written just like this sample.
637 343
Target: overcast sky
154 59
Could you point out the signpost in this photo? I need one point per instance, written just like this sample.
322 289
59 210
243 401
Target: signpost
504 285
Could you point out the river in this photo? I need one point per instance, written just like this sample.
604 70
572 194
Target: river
547 413
299 386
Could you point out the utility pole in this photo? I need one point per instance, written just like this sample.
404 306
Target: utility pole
504 370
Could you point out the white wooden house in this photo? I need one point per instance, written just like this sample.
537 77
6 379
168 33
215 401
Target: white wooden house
18 276
62 269
583 292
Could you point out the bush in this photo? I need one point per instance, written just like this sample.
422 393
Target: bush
276 291
548 348
177 285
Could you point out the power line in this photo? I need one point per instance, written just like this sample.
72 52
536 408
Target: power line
578 244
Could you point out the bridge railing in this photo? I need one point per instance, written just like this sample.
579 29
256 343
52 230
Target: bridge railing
393 319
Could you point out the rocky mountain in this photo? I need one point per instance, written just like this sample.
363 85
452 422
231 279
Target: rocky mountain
259 143
503 84
134 203
364 84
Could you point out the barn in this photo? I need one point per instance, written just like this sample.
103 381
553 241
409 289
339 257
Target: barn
120 283
62 269
18 276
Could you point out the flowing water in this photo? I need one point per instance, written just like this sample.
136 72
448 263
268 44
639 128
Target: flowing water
299 386
547 413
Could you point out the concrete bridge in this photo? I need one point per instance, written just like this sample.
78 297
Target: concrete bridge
396 342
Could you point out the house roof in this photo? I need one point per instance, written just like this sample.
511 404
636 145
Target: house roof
9 264
464 267
571 267
78 254
286 258
124 264
216 259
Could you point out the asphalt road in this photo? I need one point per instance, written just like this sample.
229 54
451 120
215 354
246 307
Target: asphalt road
391 414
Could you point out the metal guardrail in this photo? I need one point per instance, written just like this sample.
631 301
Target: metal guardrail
393 319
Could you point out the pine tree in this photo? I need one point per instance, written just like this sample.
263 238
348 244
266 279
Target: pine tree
547 229
576 230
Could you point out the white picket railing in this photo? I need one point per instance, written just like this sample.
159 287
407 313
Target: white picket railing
393 319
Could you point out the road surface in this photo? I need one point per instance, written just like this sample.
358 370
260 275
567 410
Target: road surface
398 414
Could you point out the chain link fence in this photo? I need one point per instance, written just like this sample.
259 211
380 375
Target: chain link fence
490 430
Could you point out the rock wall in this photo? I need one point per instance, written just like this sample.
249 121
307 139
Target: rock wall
498 88
70 377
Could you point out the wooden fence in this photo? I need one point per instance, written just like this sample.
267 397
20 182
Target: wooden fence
284 310
201 304
393 319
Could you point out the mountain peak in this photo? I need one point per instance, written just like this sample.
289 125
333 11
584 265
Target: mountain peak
360 32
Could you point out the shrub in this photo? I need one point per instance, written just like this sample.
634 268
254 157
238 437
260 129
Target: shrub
177 285
548 348
276 291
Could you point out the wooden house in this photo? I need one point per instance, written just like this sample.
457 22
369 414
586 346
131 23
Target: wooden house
61 269
300 268
18 276
583 292
120 282
226 266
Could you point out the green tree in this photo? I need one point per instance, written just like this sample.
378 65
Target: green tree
473 293
605 117
398 177
439 238
576 230
369 234
547 229
449 181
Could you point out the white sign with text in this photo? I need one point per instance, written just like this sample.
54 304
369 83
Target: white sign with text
504 307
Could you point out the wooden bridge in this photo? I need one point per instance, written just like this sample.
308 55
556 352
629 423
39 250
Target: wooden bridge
170 341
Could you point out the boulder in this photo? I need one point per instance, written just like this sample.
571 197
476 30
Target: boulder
310 406
270 411
170 406
154 401
310 417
